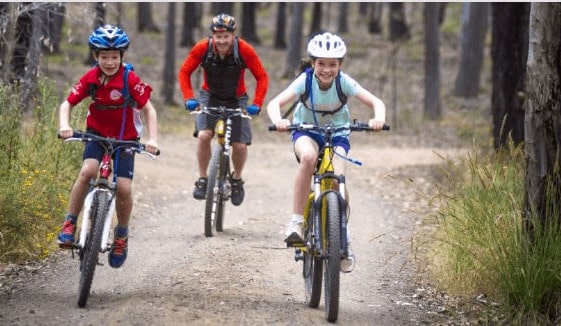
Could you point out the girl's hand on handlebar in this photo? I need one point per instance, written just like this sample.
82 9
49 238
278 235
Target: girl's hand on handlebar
65 132
376 125
282 125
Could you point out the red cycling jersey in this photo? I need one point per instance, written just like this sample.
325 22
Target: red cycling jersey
105 113
250 59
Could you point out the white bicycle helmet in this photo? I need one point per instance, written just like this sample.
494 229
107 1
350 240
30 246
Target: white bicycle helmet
327 45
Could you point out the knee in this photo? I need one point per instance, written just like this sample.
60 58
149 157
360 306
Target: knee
205 136
308 160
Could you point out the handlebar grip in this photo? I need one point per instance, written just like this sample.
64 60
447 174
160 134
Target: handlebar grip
272 127
386 127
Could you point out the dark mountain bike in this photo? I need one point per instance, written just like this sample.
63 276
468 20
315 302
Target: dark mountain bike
218 189
99 207
325 222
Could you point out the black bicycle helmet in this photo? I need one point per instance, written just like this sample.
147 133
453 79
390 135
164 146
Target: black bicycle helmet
223 22
108 37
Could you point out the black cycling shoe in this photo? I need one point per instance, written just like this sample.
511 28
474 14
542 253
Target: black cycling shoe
238 193
200 188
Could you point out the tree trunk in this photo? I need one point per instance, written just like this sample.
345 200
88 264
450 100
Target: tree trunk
191 19
145 20
342 20
472 41
169 62
222 8
398 27
543 118
249 29
8 33
432 61
375 17
280 41
99 20
294 39
55 20
316 19
509 52
29 84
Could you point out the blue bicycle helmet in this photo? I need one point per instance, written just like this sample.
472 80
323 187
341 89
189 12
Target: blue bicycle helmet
108 37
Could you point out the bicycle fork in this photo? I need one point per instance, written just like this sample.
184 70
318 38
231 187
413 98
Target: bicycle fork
87 219
319 233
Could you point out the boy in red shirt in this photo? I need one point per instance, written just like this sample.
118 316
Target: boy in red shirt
104 84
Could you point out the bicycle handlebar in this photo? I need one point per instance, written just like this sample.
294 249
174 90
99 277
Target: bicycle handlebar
136 146
221 110
357 126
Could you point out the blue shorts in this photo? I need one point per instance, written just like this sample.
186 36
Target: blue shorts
123 167
338 141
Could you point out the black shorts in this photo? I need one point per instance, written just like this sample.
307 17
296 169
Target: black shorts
241 128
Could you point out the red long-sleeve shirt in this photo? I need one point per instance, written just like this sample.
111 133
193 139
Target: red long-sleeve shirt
250 58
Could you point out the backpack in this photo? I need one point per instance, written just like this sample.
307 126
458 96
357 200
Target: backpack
304 96
210 53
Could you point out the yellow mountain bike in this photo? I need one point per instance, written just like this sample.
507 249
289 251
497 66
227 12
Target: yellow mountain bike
219 171
325 222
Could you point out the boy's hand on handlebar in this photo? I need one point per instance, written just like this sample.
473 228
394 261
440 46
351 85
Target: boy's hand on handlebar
65 132
152 147
376 125
282 125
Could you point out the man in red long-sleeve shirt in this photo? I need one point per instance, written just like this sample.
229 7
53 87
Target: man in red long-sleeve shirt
224 59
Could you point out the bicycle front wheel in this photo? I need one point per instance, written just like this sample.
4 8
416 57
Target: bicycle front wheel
224 177
313 263
333 256
90 253
214 193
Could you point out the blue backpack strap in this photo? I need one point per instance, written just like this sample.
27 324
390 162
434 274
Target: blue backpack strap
342 96
126 93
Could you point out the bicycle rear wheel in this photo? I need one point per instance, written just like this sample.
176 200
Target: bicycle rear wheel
333 257
214 202
90 253
313 263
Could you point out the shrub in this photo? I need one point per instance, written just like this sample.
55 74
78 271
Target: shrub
36 171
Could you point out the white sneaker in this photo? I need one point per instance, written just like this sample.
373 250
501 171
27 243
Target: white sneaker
294 233
348 263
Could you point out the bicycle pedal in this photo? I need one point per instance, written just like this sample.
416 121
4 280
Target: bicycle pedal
294 240
298 255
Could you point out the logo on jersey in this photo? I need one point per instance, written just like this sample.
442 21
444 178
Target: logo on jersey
115 94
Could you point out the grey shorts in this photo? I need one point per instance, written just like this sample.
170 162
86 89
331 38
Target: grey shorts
241 128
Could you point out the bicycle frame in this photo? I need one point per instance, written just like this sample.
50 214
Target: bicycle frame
322 180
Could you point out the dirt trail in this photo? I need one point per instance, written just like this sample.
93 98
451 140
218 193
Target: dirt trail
245 275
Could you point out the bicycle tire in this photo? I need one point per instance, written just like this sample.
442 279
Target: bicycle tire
100 206
333 257
224 177
313 263
213 205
